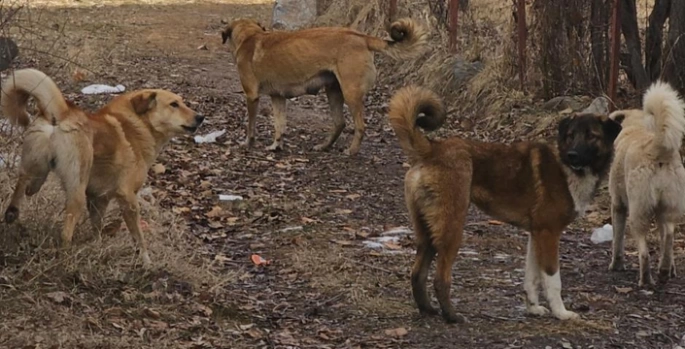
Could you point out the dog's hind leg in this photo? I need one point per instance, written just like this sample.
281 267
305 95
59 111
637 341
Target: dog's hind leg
355 81
335 101
36 161
639 227
618 218
128 202
278 104
531 282
424 256
546 246
97 208
666 261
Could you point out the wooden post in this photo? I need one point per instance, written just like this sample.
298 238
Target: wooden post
522 34
454 17
392 11
615 48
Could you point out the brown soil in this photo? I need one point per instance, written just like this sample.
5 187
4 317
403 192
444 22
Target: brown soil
307 212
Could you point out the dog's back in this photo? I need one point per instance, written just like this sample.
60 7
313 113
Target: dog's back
647 169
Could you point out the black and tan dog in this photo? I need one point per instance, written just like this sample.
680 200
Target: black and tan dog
287 64
533 186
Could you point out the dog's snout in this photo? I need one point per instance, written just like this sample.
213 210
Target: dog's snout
199 119
572 155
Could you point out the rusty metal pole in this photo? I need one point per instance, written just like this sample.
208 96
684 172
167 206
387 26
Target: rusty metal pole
392 11
522 34
615 47
454 17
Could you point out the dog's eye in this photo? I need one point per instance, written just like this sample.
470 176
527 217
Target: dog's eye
174 104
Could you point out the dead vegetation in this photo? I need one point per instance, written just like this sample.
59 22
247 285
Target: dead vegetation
307 213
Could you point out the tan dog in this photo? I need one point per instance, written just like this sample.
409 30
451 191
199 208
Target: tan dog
533 186
287 64
647 178
99 157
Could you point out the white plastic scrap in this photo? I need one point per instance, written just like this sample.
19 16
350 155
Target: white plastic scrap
209 138
223 197
102 89
603 234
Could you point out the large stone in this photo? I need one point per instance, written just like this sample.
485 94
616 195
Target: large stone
293 14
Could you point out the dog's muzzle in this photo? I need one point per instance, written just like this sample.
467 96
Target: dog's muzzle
198 121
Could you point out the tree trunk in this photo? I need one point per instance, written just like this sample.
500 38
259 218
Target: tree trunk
634 67
599 41
674 69
655 38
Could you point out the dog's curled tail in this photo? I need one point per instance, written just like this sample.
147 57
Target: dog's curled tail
406 106
668 109
25 83
409 39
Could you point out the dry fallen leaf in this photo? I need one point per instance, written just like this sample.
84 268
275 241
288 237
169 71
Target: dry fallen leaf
307 220
258 260
495 222
343 242
58 297
623 290
152 313
396 332
215 212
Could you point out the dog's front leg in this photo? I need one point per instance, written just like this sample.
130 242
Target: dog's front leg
546 246
531 282
252 105
278 104
131 212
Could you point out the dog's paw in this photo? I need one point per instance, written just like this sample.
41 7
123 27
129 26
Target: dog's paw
275 146
566 315
454 318
428 311
247 143
646 281
673 272
664 275
11 214
351 151
617 265
537 310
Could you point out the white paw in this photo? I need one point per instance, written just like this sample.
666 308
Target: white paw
537 310
274 146
566 315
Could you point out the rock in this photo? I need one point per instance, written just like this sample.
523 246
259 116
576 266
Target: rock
464 71
293 14
599 105
562 103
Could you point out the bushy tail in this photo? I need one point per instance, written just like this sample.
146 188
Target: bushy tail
25 83
409 39
668 109
405 107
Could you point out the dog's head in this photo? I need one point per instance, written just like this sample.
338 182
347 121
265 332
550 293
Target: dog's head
585 141
237 31
165 112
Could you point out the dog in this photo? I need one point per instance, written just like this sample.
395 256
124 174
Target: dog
98 157
287 64
647 178
533 186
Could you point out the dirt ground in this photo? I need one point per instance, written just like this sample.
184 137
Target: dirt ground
306 212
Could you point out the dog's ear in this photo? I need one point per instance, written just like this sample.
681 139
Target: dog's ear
612 126
562 129
226 34
144 102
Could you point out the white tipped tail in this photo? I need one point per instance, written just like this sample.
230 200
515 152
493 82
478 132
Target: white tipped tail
668 109
25 83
